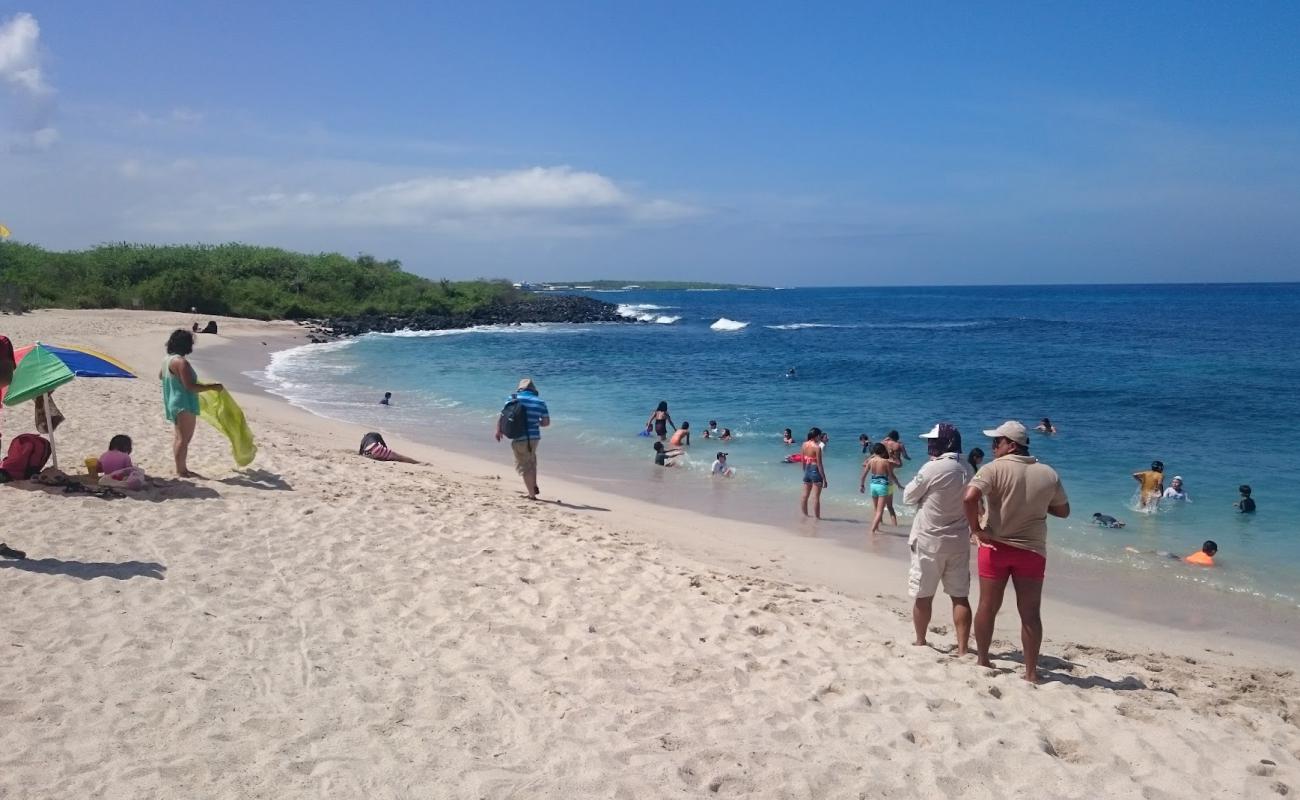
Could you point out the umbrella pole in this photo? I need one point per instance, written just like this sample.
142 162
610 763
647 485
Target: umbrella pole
45 407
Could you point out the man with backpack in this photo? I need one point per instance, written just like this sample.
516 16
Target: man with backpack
522 420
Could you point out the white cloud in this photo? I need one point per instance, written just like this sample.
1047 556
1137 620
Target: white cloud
31 95
539 201
20 60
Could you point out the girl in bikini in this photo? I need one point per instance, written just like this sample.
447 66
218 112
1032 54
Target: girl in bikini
814 473
879 469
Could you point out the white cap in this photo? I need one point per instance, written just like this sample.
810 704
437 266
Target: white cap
933 434
1011 429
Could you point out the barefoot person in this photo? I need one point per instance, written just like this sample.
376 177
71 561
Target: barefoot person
879 469
814 472
940 537
522 419
180 391
1018 492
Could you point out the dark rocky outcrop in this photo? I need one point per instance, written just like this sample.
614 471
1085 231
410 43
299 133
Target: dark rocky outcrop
529 308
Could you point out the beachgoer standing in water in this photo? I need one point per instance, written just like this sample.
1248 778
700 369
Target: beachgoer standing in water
388 399
1176 490
814 472
1019 492
659 421
180 390
528 436
1152 483
682 436
975 459
940 537
879 469
896 449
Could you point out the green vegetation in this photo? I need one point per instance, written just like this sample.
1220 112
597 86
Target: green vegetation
655 285
233 279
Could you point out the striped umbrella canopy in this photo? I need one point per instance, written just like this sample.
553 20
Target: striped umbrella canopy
42 368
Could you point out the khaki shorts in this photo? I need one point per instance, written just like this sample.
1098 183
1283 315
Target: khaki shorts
525 455
929 569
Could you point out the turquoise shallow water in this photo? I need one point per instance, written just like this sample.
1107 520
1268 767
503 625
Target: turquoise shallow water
1204 378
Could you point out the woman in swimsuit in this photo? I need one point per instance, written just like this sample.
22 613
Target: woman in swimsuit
787 437
659 421
879 469
814 473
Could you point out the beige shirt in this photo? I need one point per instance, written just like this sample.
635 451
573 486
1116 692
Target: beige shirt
938 488
1018 490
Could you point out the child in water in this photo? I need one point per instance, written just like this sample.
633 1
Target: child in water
1245 505
1106 521
663 455
787 437
720 466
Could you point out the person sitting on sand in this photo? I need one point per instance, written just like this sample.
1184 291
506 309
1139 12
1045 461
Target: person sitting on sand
1046 426
664 456
712 431
388 399
118 455
1106 521
1151 483
1176 490
787 438
720 466
373 446
682 436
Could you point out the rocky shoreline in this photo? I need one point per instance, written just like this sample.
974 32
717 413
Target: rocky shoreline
530 309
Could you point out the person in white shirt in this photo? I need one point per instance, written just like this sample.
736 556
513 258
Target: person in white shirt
940 537
720 466
1176 491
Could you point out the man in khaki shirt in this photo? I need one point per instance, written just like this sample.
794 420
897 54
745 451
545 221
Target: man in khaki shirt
1019 493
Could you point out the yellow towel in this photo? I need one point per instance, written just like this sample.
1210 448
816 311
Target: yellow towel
223 413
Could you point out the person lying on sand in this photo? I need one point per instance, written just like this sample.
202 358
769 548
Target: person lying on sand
373 446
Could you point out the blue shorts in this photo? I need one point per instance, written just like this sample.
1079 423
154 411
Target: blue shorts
811 474
881 488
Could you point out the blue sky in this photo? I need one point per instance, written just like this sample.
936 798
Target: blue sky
855 144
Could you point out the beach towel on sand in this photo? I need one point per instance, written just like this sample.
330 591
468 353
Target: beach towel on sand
221 411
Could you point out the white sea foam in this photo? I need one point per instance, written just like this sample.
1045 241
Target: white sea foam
644 312
525 327
725 324
798 326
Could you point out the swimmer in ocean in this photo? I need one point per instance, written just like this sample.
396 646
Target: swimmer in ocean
1152 483
1246 505
1106 521
682 436
1046 426
787 437
664 456
712 431
1201 558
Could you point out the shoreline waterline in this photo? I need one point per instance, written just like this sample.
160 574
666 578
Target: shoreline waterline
1125 594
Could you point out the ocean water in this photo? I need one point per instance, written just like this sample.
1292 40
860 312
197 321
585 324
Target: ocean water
1203 377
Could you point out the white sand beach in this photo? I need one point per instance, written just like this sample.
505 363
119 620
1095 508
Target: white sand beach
320 625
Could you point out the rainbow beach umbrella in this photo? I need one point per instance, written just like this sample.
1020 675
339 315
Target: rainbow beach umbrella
42 368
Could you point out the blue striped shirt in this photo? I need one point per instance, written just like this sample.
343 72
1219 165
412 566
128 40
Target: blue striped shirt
536 410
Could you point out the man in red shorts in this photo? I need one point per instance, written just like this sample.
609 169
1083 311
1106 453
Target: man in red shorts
1018 493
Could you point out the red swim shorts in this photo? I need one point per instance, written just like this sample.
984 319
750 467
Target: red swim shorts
1006 561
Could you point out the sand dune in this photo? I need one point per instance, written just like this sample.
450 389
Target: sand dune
325 626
